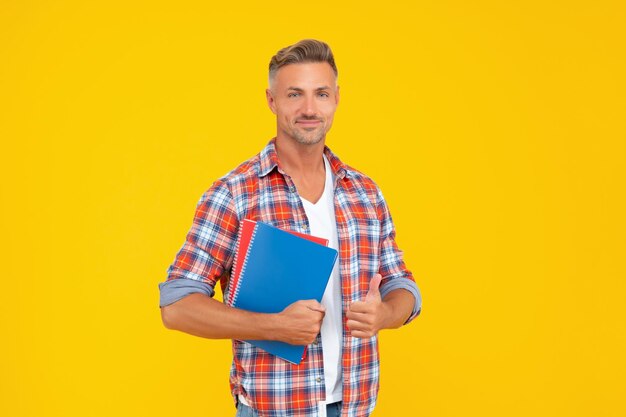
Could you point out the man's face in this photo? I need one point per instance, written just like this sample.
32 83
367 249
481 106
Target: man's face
304 98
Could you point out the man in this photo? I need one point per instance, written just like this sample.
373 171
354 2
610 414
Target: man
297 183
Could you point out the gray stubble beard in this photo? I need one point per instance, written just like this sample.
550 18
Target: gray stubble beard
307 140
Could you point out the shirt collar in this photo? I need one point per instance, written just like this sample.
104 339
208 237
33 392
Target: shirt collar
269 160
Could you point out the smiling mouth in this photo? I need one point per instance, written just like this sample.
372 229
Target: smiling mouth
308 122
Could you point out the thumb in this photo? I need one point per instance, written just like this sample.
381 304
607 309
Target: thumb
314 305
374 292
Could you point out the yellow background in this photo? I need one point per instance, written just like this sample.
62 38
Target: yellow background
495 129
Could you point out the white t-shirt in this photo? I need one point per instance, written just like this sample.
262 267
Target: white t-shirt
321 216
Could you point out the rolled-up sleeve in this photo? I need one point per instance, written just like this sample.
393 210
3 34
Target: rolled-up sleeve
408 285
392 267
175 289
208 249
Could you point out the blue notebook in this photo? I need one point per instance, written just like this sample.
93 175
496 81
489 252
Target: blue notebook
278 269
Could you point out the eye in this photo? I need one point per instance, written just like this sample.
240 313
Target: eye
324 95
293 94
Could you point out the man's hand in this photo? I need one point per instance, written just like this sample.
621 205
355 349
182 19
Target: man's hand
366 318
300 322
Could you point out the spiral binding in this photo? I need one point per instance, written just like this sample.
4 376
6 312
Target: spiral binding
234 291
233 274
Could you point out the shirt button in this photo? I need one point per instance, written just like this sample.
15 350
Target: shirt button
318 379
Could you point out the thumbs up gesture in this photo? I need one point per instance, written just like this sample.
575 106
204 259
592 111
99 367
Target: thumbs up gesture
367 317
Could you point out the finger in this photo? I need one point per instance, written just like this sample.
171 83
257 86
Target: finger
320 309
351 315
361 307
314 305
362 334
359 315
359 325
374 291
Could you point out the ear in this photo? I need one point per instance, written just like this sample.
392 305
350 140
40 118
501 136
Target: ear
337 96
270 100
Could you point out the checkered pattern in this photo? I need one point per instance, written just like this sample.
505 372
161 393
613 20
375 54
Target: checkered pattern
260 190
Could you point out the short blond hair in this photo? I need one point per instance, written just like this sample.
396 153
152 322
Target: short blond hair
307 50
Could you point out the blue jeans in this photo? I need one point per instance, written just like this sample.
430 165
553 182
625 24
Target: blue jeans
332 410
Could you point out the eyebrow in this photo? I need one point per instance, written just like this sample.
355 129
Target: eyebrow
317 89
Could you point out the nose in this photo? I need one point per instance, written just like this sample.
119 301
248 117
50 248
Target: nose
310 106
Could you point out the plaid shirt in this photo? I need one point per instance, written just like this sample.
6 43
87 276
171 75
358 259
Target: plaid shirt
260 190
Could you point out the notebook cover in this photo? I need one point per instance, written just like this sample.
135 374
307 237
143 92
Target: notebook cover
278 269
246 230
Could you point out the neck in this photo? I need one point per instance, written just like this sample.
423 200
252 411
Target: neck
298 159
